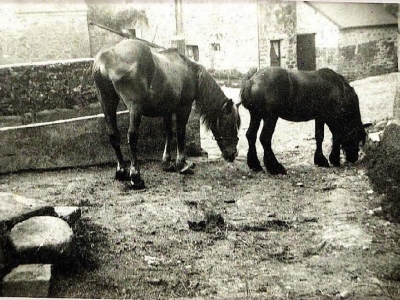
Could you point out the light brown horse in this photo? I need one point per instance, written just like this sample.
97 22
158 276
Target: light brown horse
159 84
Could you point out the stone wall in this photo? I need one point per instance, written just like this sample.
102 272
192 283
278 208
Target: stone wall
229 25
31 88
277 21
367 52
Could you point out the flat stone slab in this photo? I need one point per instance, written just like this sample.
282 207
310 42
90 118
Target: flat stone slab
42 239
15 208
31 280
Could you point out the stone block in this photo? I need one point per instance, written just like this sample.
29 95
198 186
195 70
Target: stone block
15 208
32 280
390 142
69 214
42 239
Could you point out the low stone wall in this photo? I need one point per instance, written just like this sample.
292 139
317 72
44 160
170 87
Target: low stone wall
82 142
31 88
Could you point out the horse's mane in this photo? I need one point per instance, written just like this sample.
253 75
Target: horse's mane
351 96
210 97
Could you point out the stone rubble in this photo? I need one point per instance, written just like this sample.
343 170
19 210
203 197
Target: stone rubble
35 236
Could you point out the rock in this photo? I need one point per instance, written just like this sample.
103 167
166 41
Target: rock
69 214
375 137
344 295
15 208
391 138
42 239
31 280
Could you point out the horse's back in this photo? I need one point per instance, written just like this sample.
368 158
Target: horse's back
291 94
261 91
126 58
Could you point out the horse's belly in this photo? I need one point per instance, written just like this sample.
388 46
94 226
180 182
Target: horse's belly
297 114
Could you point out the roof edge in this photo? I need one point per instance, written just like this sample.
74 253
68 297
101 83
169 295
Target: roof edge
322 13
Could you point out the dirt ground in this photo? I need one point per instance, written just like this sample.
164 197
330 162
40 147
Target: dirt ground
226 232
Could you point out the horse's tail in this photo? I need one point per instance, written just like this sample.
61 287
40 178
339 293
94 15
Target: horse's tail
245 91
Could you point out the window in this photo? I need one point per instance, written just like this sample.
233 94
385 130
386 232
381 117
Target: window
275 53
216 46
192 51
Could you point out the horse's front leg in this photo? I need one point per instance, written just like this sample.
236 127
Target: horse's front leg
182 117
136 182
334 157
319 158
251 135
166 159
270 161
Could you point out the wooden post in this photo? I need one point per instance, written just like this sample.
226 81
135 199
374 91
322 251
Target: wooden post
179 40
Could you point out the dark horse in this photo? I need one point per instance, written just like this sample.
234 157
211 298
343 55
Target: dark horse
160 84
300 96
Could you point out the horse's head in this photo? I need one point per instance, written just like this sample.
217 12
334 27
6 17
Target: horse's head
225 130
354 136
352 142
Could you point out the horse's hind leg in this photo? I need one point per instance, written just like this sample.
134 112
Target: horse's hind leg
135 118
166 160
251 135
109 102
270 161
182 117
319 158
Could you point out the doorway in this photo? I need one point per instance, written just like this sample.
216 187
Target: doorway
306 56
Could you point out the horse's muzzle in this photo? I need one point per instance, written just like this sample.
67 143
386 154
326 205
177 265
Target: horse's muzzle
229 156
352 157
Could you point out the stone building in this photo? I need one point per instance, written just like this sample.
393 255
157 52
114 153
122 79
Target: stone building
356 39
42 31
221 35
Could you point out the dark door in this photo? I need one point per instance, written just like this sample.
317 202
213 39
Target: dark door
306 52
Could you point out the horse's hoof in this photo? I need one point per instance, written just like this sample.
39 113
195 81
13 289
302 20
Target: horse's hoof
257 169
139 185
323 163
188 169
277 170
335 163
121 175
169 167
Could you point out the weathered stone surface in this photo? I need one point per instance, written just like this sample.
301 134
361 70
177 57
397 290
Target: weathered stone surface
42 239
15 208
69 214
391 138
31 280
